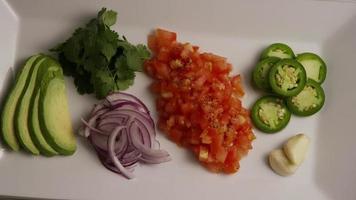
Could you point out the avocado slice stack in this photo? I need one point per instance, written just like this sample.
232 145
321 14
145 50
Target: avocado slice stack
35 114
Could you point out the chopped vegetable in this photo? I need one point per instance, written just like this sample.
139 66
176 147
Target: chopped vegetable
270 114
261 72
309 101
98 59
296 79
278 50
314 66
287 77
198 102
122 133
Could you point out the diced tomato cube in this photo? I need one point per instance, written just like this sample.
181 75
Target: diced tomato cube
162 70
151 43
165 38
198 102
175 135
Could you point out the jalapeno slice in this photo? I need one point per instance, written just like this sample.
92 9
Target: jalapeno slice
261 71
314 66
270 114
278 50
287 77
309 101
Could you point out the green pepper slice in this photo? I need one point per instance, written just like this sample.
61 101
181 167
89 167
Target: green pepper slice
278 50
261 71
287 77
314 66
270 114
309 101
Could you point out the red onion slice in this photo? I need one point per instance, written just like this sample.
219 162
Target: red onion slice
89 126
146 152
111 143
128 105
122 133
127 97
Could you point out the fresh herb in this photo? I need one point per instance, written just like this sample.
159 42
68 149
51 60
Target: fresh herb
99 60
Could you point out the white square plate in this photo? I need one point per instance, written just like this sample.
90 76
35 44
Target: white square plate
238 30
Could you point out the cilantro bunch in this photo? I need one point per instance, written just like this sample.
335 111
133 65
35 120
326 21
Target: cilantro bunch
98 59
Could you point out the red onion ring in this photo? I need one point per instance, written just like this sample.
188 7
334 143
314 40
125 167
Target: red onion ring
111 143
125 96
122 132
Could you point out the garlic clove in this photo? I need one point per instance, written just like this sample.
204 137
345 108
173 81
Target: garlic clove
280 163
296 148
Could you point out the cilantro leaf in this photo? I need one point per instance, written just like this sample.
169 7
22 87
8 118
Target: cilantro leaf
107 17
72 50
107 49
82 82
143 51
103 83
110 36
122 70
67 66
136 57
99 60
94 63
134 62
124 84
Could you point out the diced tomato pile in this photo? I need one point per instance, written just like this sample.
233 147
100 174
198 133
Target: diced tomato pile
198 102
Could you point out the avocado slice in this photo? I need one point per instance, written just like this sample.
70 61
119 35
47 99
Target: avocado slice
34 125
36 132
54 114
11 101
22 112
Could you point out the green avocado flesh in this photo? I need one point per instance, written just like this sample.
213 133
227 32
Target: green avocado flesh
36 132
271 113
22 112
8 113
35 115
54 114
34 125
306 99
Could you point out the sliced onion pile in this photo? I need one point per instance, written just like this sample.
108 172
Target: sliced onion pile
122 133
